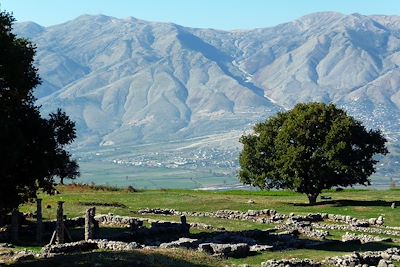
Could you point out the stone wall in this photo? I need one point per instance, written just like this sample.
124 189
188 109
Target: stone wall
364 238
368 230
290 263
370 258
118 221
269 216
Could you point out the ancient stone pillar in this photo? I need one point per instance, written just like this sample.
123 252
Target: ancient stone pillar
91 226
60 223
14 225
184 226
39 224
95 224
88 224
183 220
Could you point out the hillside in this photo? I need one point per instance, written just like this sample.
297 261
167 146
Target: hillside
128 82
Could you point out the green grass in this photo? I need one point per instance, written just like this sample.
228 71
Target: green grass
356 203
111 174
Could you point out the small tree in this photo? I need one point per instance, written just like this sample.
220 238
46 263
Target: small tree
308 149
32 148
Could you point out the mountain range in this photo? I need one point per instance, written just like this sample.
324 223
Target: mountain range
130 83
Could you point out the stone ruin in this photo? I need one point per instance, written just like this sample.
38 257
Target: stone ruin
290 263
135 225
224 244
362 238
91 225
268 216
370 258
303 227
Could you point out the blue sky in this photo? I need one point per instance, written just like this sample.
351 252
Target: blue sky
219 14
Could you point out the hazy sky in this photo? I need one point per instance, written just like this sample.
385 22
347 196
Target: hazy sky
219 14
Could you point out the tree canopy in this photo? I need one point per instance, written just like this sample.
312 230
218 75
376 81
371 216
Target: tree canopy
32 148
308 149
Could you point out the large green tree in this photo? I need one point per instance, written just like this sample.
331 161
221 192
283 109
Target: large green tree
308 149
32 148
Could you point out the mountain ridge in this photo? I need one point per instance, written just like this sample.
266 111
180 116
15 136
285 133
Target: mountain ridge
130 82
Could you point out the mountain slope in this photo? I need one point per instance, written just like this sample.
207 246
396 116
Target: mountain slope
349 60
128 82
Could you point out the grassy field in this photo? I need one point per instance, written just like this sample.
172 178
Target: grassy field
356 203
111 174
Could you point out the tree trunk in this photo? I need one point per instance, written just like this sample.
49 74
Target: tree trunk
2 220
312 198
14 226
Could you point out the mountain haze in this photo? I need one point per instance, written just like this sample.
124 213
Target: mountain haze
129 82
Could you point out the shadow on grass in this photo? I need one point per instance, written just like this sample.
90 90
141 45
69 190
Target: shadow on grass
347 202
350 246
283 242
251 237
280 242
182 257
115 259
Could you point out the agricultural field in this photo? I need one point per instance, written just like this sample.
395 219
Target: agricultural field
124 175
111 174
